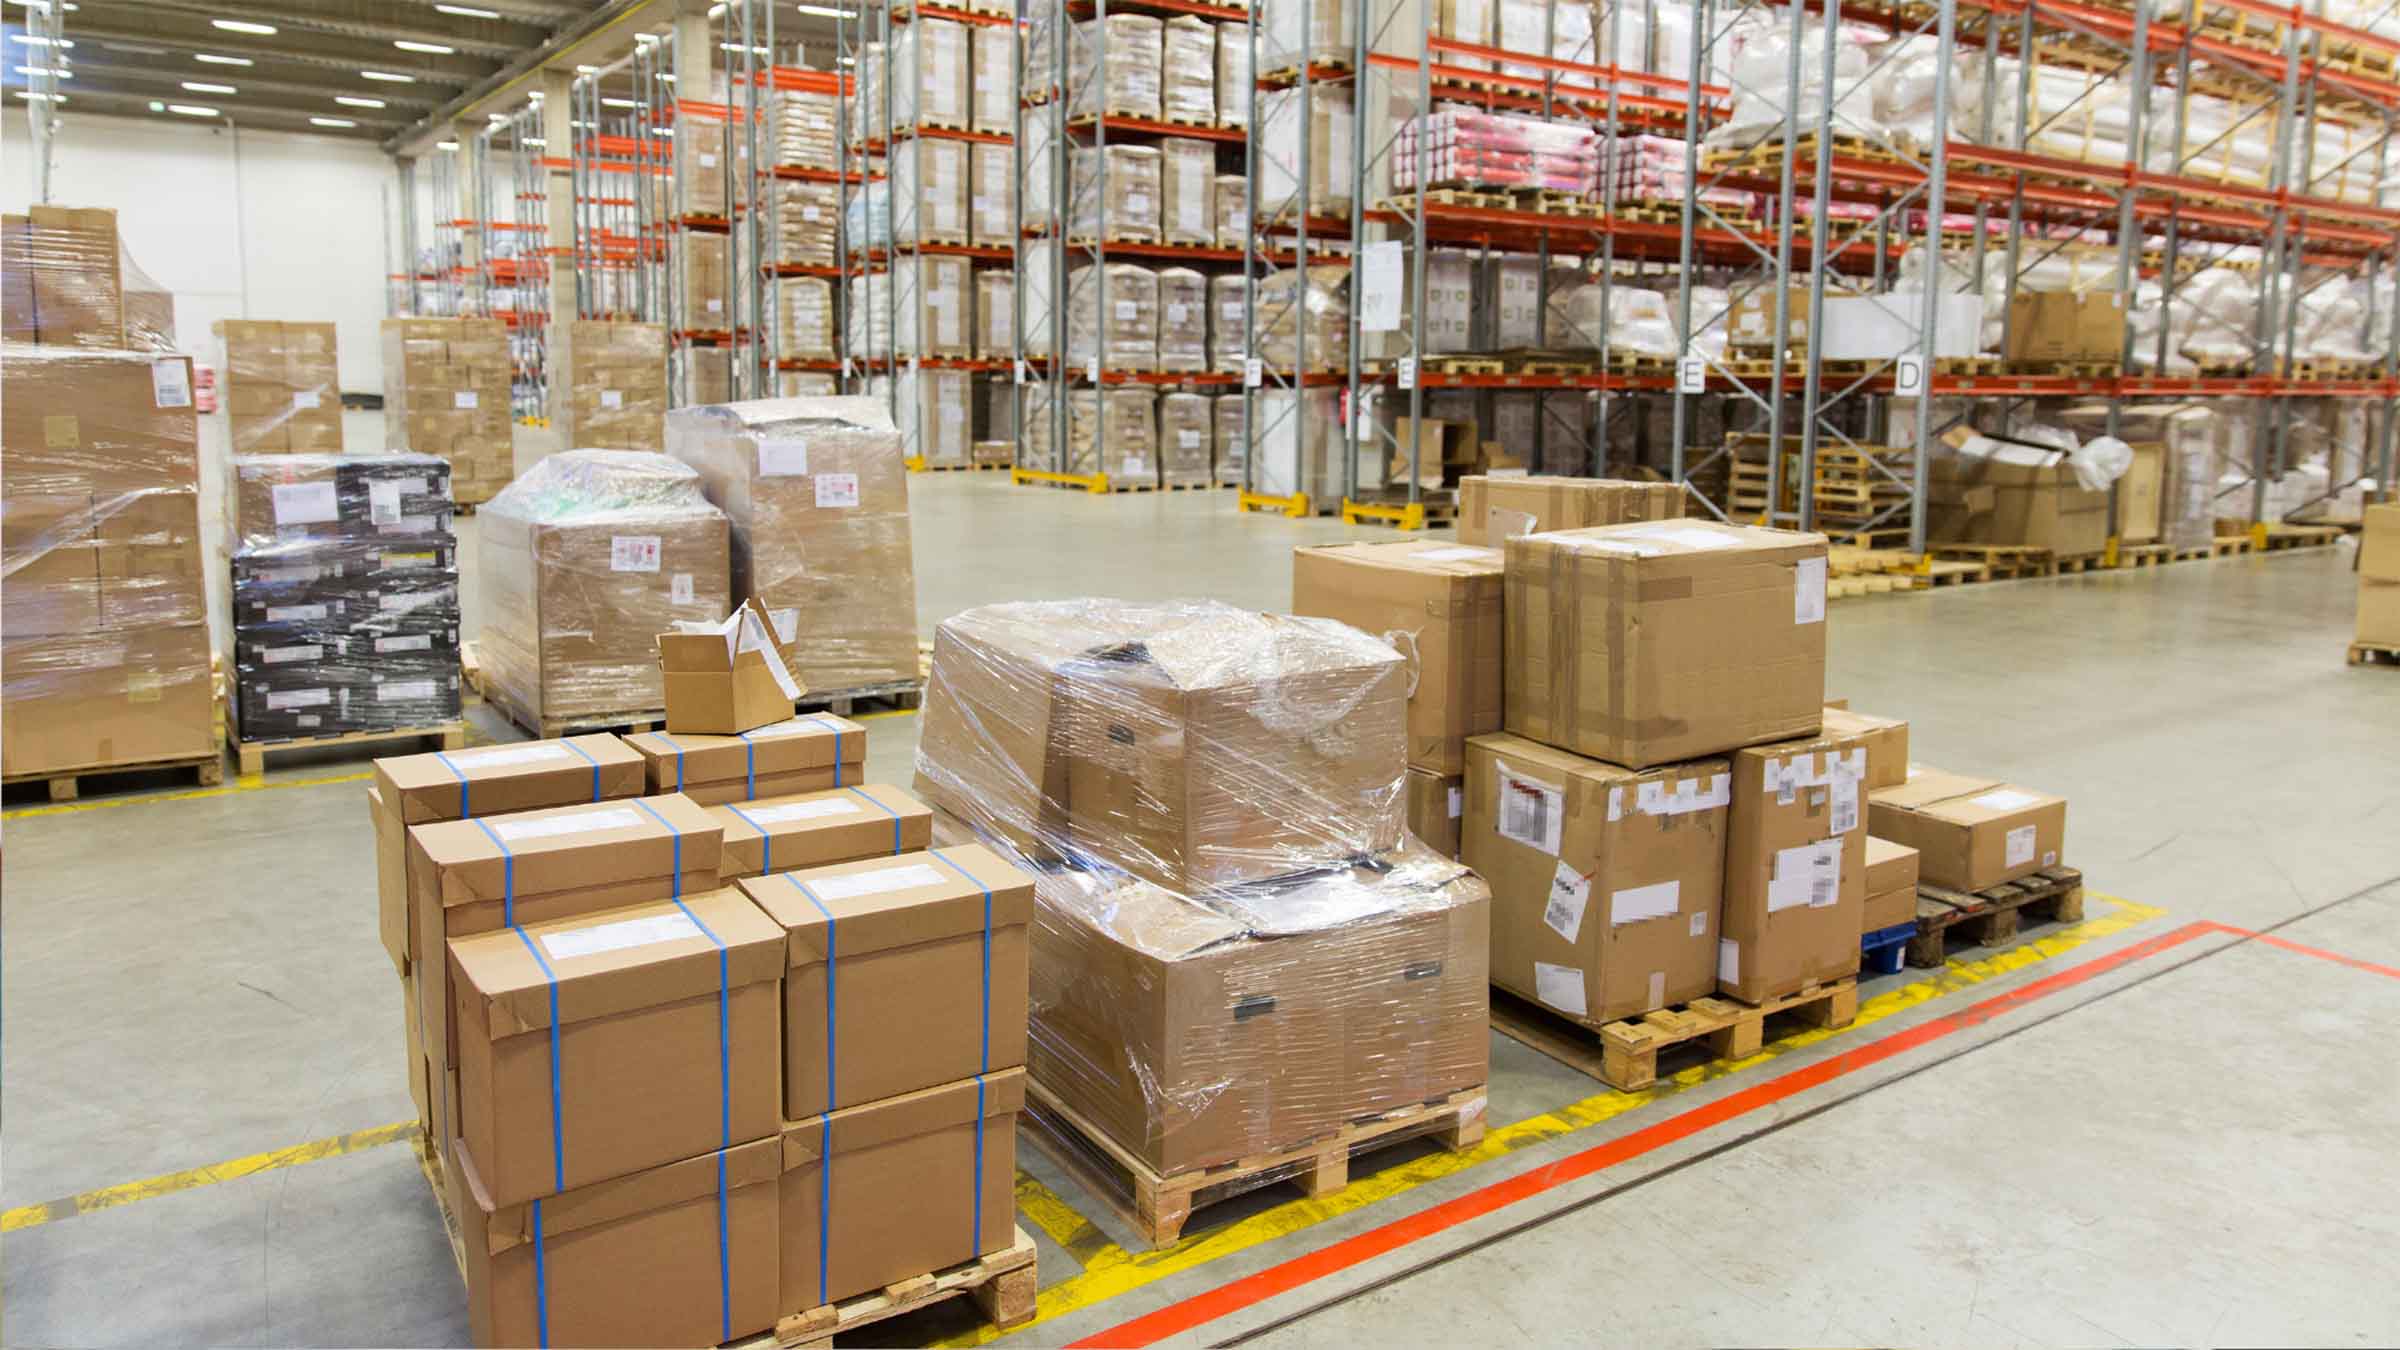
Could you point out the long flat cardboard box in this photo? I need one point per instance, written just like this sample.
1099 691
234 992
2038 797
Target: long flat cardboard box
1891 884
804 754
1885 739
811 829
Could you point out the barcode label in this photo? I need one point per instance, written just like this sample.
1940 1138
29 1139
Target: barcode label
2020 846
1531 812
1569 891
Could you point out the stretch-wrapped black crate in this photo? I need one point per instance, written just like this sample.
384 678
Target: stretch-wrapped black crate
345 595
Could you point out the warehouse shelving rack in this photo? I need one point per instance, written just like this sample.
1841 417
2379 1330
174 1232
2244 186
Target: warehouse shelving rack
847 173
1048 98
511 232
617 242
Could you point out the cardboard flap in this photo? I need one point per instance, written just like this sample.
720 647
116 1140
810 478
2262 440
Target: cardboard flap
501 779
700 653
746 637
653 1188
1000 1093
618 960
553 849
880 903
814 741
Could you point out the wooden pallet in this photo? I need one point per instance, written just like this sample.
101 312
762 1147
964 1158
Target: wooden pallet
900 694
429 1166
1625 1055
2079 562
2280 536
2004 561
470 666
629 722
2373 654
1158 1206
1002 1283
208 768
253 754
1465 365
1990 916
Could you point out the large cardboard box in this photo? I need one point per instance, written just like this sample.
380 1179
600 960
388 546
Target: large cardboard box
804 754
988 740
1652 643
2379 577
1885 739
446 390
615 1041
898 1187
790 831
477 876
2019 496
904 973
65 285
1439 604
1192 1037
817 493
281 387
1605 881
1437 804
1493 507
1970 832
1795 867
614 395
683 1254
102 698
2084 326
1891 885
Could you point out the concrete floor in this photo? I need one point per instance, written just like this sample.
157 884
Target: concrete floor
2159 1134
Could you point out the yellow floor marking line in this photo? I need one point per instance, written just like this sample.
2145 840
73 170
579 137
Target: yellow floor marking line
1112 1270
252 783
109 1197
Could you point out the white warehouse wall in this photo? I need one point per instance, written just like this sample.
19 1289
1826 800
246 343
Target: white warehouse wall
238 223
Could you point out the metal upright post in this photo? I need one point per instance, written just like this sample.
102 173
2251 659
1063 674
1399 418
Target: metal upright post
1820 259
1253 155
1686 339
1782 273
1937 193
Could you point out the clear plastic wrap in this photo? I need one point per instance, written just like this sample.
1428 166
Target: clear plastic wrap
1229 210
1498 150
1233 74
1188 77
281 390
1184 435
1229 438
1187 184
941 320
1294 32
708 371
1132 67
818 497
1041 168
995 314
1761 87
345 594
992 204
1128 211
1562 30
1036 271
1130 430
994 101
1131 322
1638 321
933 414
704 275
1317 298
940 212
445 393
609 385
1182 319
1210 800
62 280
1278 142
806 319
584 561
1228 311
1297 432
939 94
801 128
102 600
807 223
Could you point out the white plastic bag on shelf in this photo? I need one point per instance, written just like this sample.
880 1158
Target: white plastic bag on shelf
2100 461
1762 87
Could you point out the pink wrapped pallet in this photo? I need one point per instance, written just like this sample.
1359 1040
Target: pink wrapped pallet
1475 149
1650 169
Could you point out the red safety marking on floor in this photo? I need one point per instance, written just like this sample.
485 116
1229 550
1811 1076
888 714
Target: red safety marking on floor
2389 972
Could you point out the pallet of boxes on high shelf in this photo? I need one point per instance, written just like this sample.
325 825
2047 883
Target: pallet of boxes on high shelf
446 393
584 561
345 602
1210 799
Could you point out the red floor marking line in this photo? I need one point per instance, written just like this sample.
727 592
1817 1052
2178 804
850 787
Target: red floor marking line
2389 972
1203 1308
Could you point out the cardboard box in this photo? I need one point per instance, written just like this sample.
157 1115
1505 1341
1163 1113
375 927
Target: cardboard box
904 973
2141 493
1891 884
1437 803
1795 868
1194 1038
281 388
803 754
1970 833
1439 604
897 1188
1886 740
729 680
486 781
989 747
2066 326
811 829
652 1031
2031 499
1653 643
1493 507
71 292
683 1254
1605 881
477 876
2379 576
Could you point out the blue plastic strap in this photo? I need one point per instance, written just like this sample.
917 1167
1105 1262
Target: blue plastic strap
887 811
749 768
724 1117
975 1219
936 854
508 915
463 812
797 885
674 882
766 841
587 758
541 1283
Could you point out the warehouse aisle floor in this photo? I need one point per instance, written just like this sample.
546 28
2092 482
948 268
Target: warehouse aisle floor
2149 1127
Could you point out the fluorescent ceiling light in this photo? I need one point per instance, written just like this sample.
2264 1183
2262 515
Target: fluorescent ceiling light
468 11
33 97
384 75
618 103
827 11
535 140
59 71
36 40
350 101
735 47
429 48
587 70
197 87
447 145
191 110
331 122
215 60
244 26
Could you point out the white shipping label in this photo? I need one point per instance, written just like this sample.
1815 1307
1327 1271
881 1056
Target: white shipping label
877 882
1457 802
615 937
837 490
633 552
306 398
404 691
1459 553
280 699
276 656
1189 440
1137 203
817 810
1132 466
797 726
583 822
383 503
707 160
421 642
2005 799
1559 986
612 399
1729 961
514 754
1700 923
679 589
1808 591
1845 803
1658 798
1635 903
1178 313
809 213
2020 847
305 504
465 398
1616 804
1127 310
1531 812
1570 890
716 306
1806 874
782 457
171 383
296 613
787 625
396 561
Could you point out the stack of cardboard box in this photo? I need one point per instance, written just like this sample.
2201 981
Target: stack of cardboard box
282 391
1218 796
104 617
445 393
614 395
670 1110
2379 578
